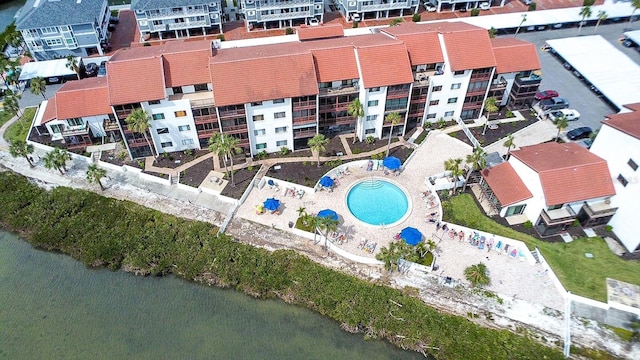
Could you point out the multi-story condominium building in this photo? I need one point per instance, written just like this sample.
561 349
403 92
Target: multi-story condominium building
518 74
282 13
177 18
356 10
56 28
282 94
618 142
453 5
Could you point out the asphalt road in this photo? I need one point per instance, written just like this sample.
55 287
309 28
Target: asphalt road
554 76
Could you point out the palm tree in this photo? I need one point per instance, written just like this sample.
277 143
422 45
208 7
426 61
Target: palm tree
509 143
356 110
492 32
394 118
317 144
602 16
11 104
478 160
302 211
477 275
561 124
395 253
21 148
490 106
585 12
62 156
328 225
73 65
425 247
453 165
226 145
38 86
636 6
57 159
139 121
95 173
524 18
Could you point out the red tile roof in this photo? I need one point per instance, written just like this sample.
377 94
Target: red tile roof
335 64
568 172
506 184
514 55
470 49
136 76
423 48
628 123
263 78
439 27
320 32
186 62
86 97
49 111
375 65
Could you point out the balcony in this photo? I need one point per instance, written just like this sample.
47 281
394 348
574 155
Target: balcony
232 113
205 119
304 134
480 76
110 125
499 84
137 142
384 5
235 128
304 120
563 215
75 130
528 80
286 15
301 105
334 107
167 14
343 90
398 93
273 5
205 133
122 114
600 209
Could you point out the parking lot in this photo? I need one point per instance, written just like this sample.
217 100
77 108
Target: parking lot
554 76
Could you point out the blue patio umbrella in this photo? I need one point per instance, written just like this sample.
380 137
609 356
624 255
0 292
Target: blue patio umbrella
411 236
271 204
326 181
328 213
392 163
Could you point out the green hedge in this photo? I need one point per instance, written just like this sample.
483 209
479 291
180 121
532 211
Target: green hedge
105 232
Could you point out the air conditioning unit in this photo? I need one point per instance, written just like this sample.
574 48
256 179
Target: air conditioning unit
318 7
352 3
251 13
250 2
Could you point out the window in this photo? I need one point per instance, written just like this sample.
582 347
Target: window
187 141
261 146
166 144
448 113
452 100
372 103
515 210
437 88
75 122
455 86
622 180
158 116
154 102
280 130
200 87
375 89
259 132
49 30
281 143
459 72
434 102
555 207
279 115
177 90
632 164
184 128
278 101
258 117
257 103
370 131
53 42
180 113
56 129
372 117
431 116
163 130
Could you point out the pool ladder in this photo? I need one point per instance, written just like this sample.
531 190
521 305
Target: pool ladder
371 184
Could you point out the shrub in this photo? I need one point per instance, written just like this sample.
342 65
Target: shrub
355 24
527 224
220 37
250 167
510 114
575 223
288 31
416 18
122 155
146 44
284 150
262 155
475 12
608 228
304 163
188 152
532 7
370 140
477 275
442 123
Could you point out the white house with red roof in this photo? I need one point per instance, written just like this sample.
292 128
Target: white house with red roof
553 185
618 142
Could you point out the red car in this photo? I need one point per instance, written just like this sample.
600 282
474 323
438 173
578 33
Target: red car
547 94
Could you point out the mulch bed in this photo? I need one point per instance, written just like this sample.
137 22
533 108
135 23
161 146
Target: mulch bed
242 179
195 175
176 159
362 146
160 175
111 157
503 130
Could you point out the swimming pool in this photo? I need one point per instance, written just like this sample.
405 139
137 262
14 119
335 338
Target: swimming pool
377 202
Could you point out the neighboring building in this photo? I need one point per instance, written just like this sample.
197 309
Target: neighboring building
518 76
357 10
553 185
453 5
618 142
177 18
282 13
193 89
56 28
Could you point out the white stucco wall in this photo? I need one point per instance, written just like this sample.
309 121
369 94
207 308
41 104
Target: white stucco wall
268 109
377 110
532 181
173 123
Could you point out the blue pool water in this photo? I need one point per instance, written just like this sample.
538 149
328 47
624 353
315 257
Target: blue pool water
377 202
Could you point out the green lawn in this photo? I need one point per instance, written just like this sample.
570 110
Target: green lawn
4 117
20 129
578 274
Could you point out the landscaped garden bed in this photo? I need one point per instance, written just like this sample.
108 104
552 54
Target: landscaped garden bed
242 178
502 131
178 158
195 175
119 157
157 174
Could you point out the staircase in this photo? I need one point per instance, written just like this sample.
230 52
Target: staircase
535 253
95 156
174 178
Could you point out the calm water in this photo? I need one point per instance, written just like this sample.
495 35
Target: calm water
7 10
53 307
377 202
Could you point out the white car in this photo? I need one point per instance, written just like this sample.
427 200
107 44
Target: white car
484 6
569 114
431 8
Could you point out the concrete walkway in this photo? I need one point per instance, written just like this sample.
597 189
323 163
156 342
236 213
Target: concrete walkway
4 145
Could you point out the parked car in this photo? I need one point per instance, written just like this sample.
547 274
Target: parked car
569 114
113 20
355 17
484 6
111 27
586 143
580 133
91 69
431 8
554 104
546 94
102 70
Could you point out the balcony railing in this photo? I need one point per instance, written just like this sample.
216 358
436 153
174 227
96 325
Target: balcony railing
110 125
304 134
480 76
234 128
528 80
334 107
137 142
558 216
122 114
272 5
173 14
75 130
496 85
303 104
202 119
386 6
476 92
301 120
339 91
205 133
232 113
79 144
600 209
